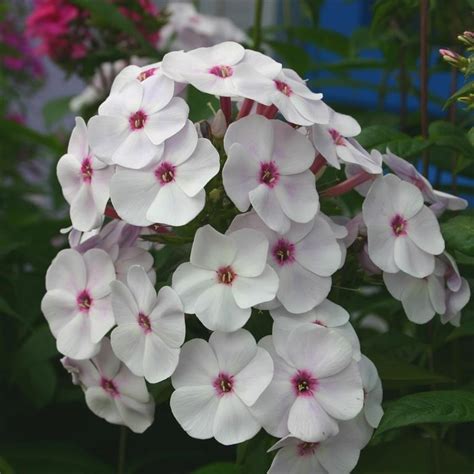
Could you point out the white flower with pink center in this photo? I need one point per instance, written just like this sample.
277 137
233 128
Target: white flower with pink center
315 387
338 454
261 170
327 314
84 180
373 394
226 276
406 171
216 69
134 121
304 259
112 392
402 233
150 329
77 304
216 383
170 189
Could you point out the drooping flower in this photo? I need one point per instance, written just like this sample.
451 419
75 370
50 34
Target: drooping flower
338 454
150 328
326 314
84 180
112 392
226 276
170 189
304 259
261 171
216 383
77 303
134 122
406 171
397 226
317 385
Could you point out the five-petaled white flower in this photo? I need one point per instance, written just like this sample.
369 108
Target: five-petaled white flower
216 383
304 258
150 328
77 303
170 189
317 385
261 170
84 180
402 233
134 121
112 392
226 276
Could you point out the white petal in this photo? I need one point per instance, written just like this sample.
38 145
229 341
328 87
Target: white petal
78 144
267 206
233 422
251 252
287 460
83 212
136 151
159 360
195 409
416 302
180 146
137 416
124 305
67 272
252 291
422 225
106 134
58 307
381 247
128 343
69 176
102 405
211 249
411 259
324 144
143 291
74 339
157 93
100 272
101 318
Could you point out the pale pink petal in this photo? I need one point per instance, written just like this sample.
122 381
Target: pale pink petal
422 225
251 252
159 360
267 206
74 339
128 343
211 249
252 291
411 259
67 272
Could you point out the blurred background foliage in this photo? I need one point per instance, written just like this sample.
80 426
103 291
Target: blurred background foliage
371 72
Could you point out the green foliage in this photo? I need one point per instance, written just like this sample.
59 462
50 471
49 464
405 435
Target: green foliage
219 468
458 233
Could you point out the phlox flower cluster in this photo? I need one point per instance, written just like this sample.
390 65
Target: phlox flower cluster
239 199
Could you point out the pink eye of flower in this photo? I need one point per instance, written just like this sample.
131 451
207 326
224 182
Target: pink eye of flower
137 120
223 383
144 322
84 301
307 449
399 225
146 74
269 174
283 252
110 387
86 170
336 137
283 87
226 275
304 383
319 323
165 173
222 71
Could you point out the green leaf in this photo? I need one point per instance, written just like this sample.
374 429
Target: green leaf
321 38
38 383
443 406
39 347
458 234
446 134
5 468
53 458
55 110
395 373
379 136
219 468
252 455
465 90
200 105
408 147
295 56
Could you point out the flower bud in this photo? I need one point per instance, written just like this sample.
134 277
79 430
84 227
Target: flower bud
454 58
467 38
219 125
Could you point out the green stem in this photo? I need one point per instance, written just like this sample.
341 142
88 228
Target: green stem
122 449
257 27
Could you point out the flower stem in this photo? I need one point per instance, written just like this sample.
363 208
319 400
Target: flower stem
111 212
247 105
318 163
270 111
226 107
257 25
122 449
261 109
348 184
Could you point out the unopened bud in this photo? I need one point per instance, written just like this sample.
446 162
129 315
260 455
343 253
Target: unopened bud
215 195
219 125
453 58
467 38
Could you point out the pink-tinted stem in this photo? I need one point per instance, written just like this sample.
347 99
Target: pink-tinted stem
247 105
270 111
348 184
261 109
318 163
111 212
226 107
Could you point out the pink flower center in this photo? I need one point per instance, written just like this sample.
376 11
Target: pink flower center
283 252
226 275
304 383
146 74
336 137
137 120
84 301
165 173
319 323
222 71
283 87
307 449
269 174
110 387
223 383
144 322
399 225
86 170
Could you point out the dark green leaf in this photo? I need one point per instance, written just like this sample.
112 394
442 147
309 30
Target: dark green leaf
219 468
321 38
456 406
446 134
408 147
39 347
38 383
458 234
379 136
